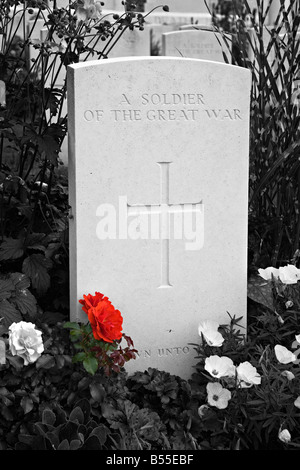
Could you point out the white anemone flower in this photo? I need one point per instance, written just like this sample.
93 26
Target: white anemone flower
247 375
209 330
297 402
283 355
217 395
219 367
284 436
267 273
289 274
288 374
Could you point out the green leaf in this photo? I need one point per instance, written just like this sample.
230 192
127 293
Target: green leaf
46 361
97 392
64 445
79 357
27 404
35 241
71 325
16 361
48 147
91 365
9 313
48 417
261 291
23 298
75 334
36 268
11 248
6 288
77 415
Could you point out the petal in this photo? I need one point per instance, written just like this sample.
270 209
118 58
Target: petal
283 355
268 272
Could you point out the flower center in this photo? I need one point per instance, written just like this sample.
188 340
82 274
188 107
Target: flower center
214 372
215 397
27 342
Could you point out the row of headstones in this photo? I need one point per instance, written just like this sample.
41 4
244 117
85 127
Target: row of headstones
180 41
165 40
174 39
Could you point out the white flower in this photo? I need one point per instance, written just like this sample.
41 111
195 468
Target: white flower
25 341
202 410
297 402
59 46
268 272
284 436
209 329
289 375
247 375
289 274
297 338
283 355
88 9
289 304
219 366
217 395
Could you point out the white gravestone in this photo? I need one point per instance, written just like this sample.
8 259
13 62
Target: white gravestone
156 32
2 352
134 43
34 28
55 72
158 168
2 93
162 17
19 19
184 6
197 44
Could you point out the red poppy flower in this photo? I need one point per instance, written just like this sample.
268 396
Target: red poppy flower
105 320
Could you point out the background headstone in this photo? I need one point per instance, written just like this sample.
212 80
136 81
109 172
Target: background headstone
185 6
156 32
2 93
134 43
20 21
198 44
150 137
34 28
55 71
2 352
162 17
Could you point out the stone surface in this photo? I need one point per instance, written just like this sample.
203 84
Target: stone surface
161 17
134 43
34 28
2 93
156 32
19 23
56 71
2 352
184 6
197 44
148 138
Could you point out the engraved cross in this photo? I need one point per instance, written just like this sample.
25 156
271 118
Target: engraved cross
164 209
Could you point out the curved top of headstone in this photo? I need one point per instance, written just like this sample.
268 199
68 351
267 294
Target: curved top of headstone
160 60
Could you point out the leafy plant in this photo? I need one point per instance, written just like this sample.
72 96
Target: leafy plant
270 52
96 354
57 431
34 208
